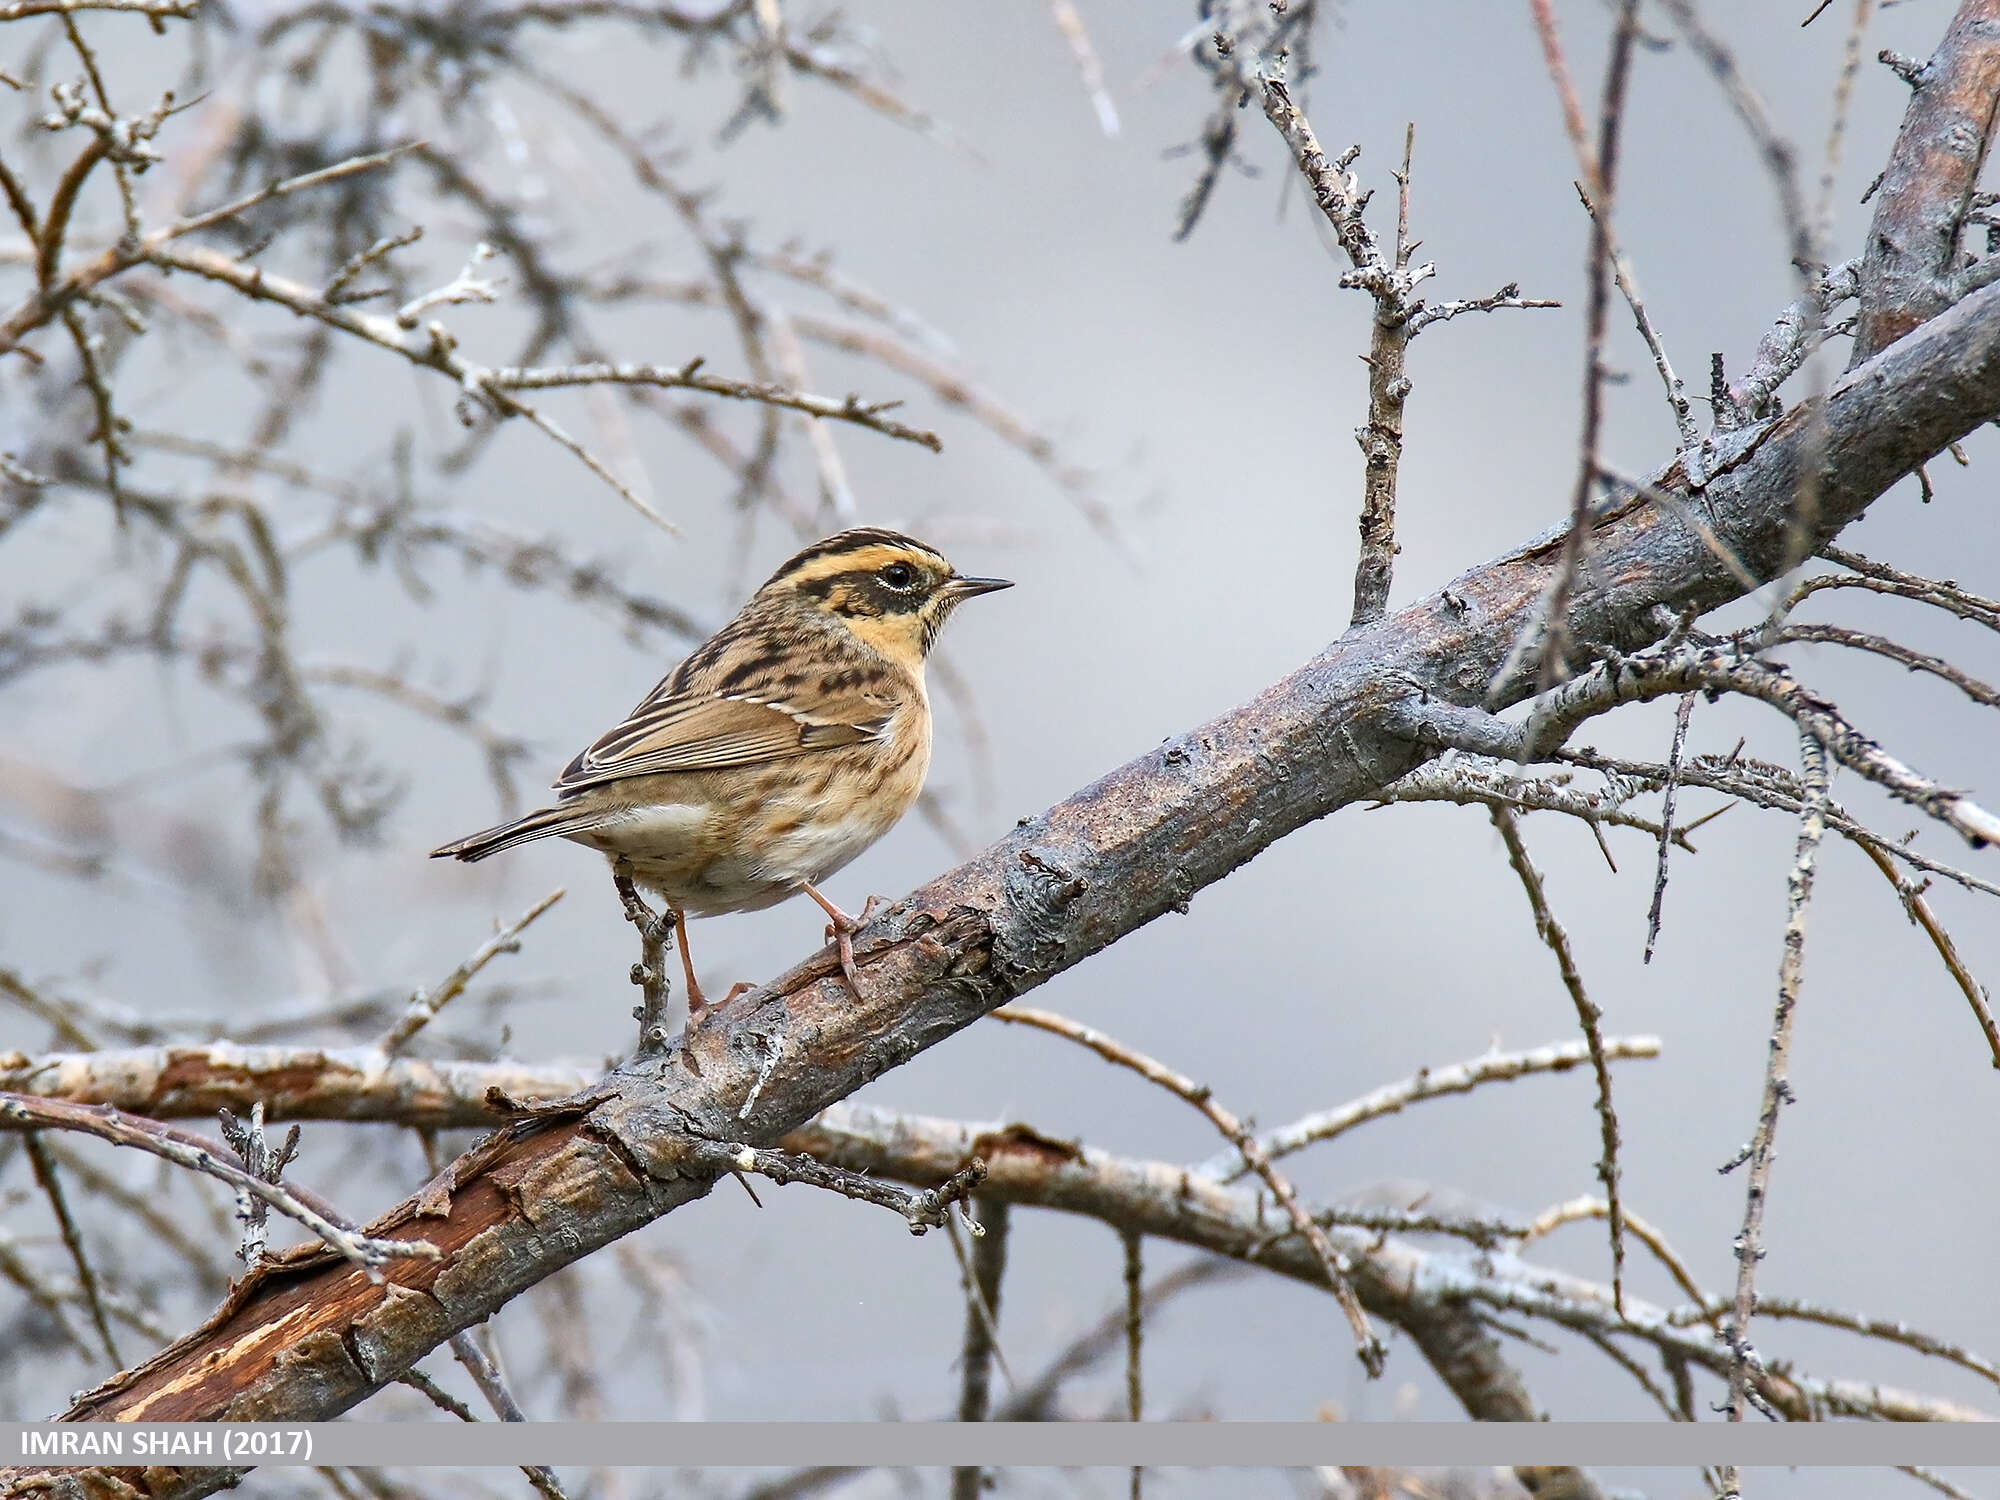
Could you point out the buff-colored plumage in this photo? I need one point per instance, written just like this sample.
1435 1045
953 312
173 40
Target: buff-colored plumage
784 746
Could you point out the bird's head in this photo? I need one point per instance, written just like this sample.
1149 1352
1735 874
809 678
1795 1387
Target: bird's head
890 591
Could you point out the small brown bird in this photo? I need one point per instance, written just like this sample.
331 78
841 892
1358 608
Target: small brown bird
786 744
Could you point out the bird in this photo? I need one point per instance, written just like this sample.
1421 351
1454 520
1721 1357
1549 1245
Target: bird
777 751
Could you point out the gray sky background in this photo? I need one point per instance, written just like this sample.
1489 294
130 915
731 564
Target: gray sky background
1215 387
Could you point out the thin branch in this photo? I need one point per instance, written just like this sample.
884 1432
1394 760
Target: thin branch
1578 1209
50 1182
1368 1348
1479 781
437 1395
1917 661
650 972
473 1348
1671 790
1430 1083
982 1274
19 10
1591 1018
1709 666
1088 67
1777 1085
425 1004
689 377
920 1210
1599 167
1773 787
1920 914
1135 1333
1135 1327
1888 1330
247 1139
23 1112
1401 1280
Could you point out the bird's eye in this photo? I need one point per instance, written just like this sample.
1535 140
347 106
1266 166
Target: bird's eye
899 575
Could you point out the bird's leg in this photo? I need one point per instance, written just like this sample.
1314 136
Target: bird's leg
697 1001
650 973
842 932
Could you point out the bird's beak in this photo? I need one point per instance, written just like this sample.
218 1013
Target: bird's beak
959 587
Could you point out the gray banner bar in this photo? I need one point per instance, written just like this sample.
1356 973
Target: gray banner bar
1066 1444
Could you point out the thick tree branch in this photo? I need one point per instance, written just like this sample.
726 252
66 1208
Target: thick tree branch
1911 270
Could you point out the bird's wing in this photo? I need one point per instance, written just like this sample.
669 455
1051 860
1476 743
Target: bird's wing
713 731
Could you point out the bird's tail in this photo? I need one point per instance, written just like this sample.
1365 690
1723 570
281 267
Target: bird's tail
546 822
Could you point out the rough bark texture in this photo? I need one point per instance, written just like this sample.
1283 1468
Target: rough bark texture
1910 270
310 1335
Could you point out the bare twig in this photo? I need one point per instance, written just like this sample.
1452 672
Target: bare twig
425 1004
1401 1280
1599 167
650 972
474 1350
1672 788
1881 578
23 1112
1591 1018
20 10
1430 1083
50 1182
1777 1086
1338 1267
1135 1332
247 1139
1577 1209
920 1210
1399 315
1677 667
982 1274
1091 71
1920 914
1764 785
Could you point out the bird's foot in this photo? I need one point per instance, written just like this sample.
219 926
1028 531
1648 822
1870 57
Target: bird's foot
840 931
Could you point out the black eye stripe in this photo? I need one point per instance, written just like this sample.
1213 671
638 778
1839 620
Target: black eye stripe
865 592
